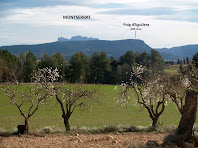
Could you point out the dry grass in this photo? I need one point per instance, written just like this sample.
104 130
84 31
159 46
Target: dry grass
113 140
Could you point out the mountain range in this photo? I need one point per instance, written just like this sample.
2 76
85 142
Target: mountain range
68 48
77 38
115 48
178 52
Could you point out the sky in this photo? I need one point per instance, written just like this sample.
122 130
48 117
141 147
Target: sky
171 22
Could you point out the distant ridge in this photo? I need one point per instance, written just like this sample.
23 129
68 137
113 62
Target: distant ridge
180 52
68 48
113 48
77 38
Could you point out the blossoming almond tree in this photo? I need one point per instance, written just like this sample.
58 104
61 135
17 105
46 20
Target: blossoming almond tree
177 89
28 98
192 75
177 92
71 97
187 105
150 92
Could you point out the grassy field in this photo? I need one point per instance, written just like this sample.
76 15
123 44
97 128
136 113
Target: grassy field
106 113
172 69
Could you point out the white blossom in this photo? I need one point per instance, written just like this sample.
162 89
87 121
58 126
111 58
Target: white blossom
186 82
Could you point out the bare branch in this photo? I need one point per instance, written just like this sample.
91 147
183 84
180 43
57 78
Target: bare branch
59 101
76 106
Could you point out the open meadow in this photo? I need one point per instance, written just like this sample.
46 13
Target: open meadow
105 113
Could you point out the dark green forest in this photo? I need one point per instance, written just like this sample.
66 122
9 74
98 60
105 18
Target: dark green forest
97 68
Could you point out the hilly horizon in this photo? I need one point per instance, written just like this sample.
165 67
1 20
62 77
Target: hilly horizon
115 48
68 48
178 52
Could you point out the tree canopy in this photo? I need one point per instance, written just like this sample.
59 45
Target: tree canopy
98 68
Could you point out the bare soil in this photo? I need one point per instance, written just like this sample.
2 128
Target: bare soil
111 140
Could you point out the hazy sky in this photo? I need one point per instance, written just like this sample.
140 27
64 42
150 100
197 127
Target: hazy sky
172 22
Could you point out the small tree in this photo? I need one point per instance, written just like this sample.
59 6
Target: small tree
32 95
157 63
177 88
192 75
187 60
1 69
72 98
184 94
151 92
181 69
79 67
195 60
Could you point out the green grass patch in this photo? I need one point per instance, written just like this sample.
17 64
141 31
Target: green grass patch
172 69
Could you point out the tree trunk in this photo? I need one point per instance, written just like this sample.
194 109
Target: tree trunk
185 128
184 132
66 121
26 125
154 123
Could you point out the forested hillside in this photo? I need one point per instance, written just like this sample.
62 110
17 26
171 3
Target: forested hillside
178 52
68 48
